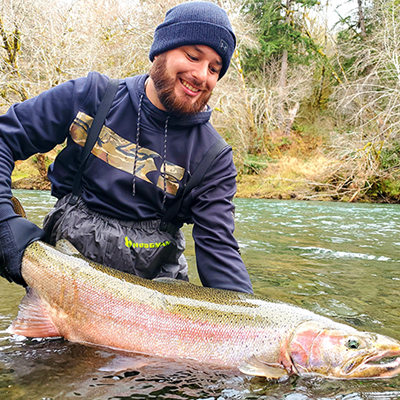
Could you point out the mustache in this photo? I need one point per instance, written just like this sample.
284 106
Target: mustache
194 82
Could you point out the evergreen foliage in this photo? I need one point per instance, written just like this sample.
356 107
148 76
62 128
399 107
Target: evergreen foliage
280 27
296 88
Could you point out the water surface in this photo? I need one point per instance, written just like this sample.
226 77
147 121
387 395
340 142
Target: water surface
339 260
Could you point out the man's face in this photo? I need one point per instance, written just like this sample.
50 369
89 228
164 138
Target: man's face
184 79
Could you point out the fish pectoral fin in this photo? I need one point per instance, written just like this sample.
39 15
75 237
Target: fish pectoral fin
32 319
66 247
253 366
125 363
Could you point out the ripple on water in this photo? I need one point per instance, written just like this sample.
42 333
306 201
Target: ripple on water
319 252
332 258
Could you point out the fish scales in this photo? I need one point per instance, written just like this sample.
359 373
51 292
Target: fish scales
183 319
85 302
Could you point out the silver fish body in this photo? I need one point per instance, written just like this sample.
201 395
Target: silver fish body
85 302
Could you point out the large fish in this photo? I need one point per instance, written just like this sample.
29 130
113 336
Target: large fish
84 302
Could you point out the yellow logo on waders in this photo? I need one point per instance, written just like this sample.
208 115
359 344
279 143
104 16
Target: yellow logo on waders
132 245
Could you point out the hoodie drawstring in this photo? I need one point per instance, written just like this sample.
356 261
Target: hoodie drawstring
137 144
164 161
164 154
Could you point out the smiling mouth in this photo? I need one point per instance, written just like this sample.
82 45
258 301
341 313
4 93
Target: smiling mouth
189 86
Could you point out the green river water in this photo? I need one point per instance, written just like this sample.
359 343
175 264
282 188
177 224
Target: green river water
339 260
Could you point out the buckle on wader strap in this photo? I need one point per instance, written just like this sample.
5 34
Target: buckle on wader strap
163 226
168 227
73 199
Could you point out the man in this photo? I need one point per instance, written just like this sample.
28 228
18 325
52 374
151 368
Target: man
155 135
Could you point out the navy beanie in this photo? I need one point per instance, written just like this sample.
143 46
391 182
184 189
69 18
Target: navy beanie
197 22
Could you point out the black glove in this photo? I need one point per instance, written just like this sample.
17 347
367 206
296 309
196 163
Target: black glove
15 236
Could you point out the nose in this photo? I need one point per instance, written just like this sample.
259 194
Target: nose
200 72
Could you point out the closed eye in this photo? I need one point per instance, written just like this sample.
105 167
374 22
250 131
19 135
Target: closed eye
193 58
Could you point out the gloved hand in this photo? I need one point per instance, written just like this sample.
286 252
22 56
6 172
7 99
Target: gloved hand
15 235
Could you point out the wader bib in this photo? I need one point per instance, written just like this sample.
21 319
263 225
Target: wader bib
137 247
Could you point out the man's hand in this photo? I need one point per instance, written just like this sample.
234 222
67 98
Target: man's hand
15 236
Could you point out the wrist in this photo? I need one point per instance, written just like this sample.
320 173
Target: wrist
6 211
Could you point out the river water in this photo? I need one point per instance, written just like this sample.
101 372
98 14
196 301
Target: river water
339 260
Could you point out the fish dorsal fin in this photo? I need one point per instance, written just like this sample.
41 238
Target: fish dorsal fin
18 209
66 247
165 279
253 366
32 319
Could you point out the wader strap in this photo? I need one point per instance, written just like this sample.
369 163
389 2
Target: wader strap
194 181
92 135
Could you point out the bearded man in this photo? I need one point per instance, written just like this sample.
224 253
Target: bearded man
154 137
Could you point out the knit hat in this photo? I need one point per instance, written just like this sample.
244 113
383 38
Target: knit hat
197 22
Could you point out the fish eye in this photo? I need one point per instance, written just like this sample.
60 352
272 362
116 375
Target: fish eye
353 343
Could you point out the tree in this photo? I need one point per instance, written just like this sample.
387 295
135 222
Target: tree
41 49
369 103
282 33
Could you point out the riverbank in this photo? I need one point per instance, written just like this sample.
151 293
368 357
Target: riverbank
261 185
288 177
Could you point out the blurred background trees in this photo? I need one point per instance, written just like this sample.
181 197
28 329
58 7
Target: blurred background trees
310 86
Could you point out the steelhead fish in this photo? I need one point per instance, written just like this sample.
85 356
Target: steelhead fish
72 297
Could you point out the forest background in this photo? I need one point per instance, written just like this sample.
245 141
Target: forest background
310 107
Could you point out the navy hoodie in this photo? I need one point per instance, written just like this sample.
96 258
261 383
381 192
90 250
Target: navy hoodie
170 148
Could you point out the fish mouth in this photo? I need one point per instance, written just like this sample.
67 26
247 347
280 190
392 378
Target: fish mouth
383 365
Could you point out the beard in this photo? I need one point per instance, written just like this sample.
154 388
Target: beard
165 89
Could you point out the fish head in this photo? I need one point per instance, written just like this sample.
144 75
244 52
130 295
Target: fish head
339 351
